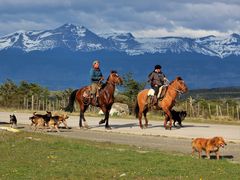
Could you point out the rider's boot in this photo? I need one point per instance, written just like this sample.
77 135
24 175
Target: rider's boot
154 100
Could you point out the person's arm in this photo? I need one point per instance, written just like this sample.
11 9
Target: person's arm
150 77
101 76
165 79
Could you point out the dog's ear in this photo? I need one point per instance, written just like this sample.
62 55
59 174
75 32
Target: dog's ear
214 140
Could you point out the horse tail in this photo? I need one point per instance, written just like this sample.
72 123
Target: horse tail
70 106
136 109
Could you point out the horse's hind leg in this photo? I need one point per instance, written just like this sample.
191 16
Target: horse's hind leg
140 119
145 117
82 118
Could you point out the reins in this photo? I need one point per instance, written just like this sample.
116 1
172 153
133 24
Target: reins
177 90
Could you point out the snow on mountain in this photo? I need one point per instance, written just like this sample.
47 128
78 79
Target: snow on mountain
222 46
79 38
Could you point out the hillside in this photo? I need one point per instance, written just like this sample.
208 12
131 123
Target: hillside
215 93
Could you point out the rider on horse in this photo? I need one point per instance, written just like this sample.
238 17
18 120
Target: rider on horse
96 80
157 79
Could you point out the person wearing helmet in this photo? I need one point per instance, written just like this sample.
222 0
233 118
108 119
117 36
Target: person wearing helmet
157 79
96 79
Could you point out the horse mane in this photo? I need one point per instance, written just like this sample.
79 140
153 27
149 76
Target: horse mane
104 84
111 72
178 78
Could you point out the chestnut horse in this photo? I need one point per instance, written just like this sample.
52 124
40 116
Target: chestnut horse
105 99
174 88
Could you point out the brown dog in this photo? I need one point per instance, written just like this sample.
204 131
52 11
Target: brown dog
61 118
208 145
37 122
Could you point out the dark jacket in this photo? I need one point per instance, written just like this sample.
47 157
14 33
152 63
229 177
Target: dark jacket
95 75
156 78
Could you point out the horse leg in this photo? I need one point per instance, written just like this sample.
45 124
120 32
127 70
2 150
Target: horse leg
166 120
145 117
83 117
80 118
104 110
168 116
140 119
107 118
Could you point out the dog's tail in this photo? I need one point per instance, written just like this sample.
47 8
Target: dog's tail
136 109
70 106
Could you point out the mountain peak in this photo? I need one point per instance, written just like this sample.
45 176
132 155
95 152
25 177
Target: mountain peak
79 38
69 26
235 35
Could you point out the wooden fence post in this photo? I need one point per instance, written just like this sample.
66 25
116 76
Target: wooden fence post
237 112
32 102
227 110
233 111
209 111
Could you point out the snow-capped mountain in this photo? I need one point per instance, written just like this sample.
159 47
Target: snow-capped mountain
75 38
79 38
61 58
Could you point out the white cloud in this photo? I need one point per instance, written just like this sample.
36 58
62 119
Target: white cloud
143 18
179 31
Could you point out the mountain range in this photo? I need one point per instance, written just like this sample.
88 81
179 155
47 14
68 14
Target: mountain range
62 57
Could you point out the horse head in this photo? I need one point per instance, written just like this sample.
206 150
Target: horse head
180 85
114 78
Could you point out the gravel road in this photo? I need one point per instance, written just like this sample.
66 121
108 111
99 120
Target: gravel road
127 131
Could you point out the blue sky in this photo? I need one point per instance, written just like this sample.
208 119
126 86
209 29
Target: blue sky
143 18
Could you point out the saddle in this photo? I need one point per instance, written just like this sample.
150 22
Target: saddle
88 97
153 99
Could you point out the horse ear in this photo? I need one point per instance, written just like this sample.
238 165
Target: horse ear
112 71
179 78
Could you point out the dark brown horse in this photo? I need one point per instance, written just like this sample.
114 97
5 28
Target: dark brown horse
175 87
105 99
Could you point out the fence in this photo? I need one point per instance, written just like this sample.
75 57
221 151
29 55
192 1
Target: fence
36 104
208 110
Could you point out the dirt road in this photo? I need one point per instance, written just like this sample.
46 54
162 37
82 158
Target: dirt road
127 132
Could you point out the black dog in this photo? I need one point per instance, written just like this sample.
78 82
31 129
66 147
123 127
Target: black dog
13 120
178 116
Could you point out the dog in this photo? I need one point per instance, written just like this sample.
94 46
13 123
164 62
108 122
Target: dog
37 121
178 116
13 121
61 118
208 145
43 120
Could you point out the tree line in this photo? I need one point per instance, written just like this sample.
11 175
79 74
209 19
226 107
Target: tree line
32 96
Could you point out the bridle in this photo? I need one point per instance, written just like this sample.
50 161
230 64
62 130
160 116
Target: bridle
177 90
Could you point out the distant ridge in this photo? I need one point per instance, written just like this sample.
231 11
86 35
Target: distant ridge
79 38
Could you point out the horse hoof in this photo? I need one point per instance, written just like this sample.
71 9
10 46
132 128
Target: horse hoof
102 121
167 127
108 128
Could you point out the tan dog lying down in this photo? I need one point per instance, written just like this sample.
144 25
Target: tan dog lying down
208 145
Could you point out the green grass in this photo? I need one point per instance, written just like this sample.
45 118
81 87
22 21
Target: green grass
38 156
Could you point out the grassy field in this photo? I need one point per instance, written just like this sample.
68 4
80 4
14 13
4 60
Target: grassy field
38 156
